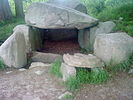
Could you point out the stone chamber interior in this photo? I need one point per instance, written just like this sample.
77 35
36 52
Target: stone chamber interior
59 41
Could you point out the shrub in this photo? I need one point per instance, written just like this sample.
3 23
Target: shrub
55 68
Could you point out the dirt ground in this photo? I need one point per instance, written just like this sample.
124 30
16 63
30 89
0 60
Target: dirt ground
27 85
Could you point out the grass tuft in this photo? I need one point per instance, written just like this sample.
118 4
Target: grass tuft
55 68
67 97
123 66
72 83
84 76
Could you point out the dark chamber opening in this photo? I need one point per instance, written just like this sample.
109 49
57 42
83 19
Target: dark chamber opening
60 41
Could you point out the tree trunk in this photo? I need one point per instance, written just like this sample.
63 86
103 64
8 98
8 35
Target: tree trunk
19 8
5 11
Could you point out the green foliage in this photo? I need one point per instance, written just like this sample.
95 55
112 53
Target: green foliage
2 65
72 83
95 76
113 10
85 76
55 68
67 97
94 6
123 66
6 27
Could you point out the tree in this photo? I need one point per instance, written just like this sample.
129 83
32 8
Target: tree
5 11
19 8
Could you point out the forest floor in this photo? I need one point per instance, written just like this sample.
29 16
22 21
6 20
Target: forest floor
26 85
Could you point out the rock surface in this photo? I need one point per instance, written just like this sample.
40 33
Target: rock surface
24 29
50 16
82 60
84 39
113 48
102 28
38 64
67 71
75 4
13 50
45 57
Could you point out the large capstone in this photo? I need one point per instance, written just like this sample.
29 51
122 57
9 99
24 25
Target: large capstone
113 48
74 4
13 50
50 16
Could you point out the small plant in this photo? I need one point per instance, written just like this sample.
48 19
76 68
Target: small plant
123 66
55 68
2 65
85 76
72 83
67 97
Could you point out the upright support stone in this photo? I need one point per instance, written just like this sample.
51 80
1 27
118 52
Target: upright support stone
84 39
67 71
13 50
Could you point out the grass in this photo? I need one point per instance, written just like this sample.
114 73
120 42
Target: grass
67 97
55 68
123 66
85 76
6 27
122 15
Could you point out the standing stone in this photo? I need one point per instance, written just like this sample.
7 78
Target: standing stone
13 50
50 16
25 30
67 71
102 28
74 4
84 39
113 48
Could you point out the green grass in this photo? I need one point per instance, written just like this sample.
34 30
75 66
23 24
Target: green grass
85 76
125 12
6 27
55 68
67 97
123 66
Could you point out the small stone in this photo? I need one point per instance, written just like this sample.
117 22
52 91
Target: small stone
38 64
39 72
67 71
9 72
22 69
130 71
66 95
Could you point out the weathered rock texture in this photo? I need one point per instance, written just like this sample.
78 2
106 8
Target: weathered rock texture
45 15
45 57
75 4
24 29
113 48
67 71
102 28
82 60
84 39
13 50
